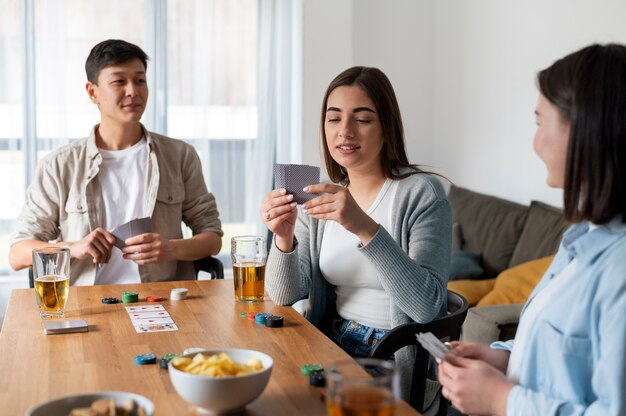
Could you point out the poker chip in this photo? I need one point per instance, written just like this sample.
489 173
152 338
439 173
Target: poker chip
274 321
179 293
250 316
165 360
110 300
261 318
143 359
317 378
307 369
155 298
130 297
243 314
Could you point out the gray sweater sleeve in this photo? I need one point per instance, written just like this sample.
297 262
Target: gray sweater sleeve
288 275
414 266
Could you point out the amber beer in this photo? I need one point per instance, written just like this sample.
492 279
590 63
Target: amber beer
249 281
52 294
362 401
51 278
248 253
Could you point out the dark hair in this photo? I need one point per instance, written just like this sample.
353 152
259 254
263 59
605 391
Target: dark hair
112 52
378 88
589 89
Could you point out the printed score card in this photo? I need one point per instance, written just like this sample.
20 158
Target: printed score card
150 318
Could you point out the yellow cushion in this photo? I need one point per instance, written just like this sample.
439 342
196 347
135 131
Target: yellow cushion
472 290
515 284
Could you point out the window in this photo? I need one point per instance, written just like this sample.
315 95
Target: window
202 77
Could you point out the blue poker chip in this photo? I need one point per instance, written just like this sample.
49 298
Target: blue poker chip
143 359
261 318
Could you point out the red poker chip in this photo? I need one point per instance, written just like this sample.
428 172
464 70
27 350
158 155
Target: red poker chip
251 316
156 298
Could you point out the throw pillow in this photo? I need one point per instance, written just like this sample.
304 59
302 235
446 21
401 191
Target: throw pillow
465 265
457 237
514 285
489 225
472 290
541 235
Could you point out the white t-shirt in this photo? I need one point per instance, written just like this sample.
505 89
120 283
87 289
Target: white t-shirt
122 179
360 295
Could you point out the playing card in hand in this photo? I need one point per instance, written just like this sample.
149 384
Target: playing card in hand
132 228
295 177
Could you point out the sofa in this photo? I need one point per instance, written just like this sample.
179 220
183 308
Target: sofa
500 251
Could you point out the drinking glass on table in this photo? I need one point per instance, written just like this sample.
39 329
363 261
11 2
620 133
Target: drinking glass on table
249 254
352 392
51 275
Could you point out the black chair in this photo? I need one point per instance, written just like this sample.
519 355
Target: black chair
447 327
211 265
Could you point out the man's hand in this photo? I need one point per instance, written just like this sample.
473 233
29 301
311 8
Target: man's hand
97 244
149 248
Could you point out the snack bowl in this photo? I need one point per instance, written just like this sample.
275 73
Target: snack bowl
62 406
223 394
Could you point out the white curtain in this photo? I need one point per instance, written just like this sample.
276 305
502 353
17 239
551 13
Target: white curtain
279 85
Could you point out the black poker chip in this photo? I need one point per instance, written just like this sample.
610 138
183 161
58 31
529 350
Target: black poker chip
110 300
274 321
317 378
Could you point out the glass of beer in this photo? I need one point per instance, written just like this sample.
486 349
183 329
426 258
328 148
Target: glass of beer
249 254
51 275
371 390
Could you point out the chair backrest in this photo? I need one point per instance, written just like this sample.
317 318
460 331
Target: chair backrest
447 327
31 279
211 265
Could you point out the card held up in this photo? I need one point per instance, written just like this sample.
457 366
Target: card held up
295 177
132 228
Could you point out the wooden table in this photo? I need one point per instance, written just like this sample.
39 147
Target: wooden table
35 367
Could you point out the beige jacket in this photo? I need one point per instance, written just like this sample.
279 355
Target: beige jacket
64 201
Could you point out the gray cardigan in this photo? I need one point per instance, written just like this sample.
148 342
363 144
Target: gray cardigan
412 258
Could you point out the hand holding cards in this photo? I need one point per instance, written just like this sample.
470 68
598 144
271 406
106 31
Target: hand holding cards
132 228
294 178
433 345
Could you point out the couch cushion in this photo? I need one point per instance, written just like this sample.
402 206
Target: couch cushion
541 234
465 265
472 290
489 225
514 285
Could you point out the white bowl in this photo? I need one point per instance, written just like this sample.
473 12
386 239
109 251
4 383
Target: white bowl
62 406
223 394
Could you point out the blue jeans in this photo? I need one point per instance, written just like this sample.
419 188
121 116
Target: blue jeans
355 339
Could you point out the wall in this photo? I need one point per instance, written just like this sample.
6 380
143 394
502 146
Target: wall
464 75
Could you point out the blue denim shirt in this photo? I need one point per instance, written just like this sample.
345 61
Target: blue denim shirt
576 358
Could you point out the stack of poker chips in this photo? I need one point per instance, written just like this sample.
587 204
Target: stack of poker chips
130 297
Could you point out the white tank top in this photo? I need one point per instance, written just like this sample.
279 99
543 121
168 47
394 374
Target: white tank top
122 179
360 295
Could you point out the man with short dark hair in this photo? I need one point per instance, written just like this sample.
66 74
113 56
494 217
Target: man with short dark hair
120 172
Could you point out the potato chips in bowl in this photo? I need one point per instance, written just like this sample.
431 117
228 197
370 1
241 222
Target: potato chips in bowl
223 380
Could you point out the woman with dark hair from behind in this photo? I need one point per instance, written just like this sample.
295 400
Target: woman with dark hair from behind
569 354
372 251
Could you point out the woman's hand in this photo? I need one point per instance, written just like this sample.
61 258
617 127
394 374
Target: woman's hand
495 358
279 215
337 204
473 386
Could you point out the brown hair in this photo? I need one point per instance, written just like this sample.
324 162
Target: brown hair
378 88
588 87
